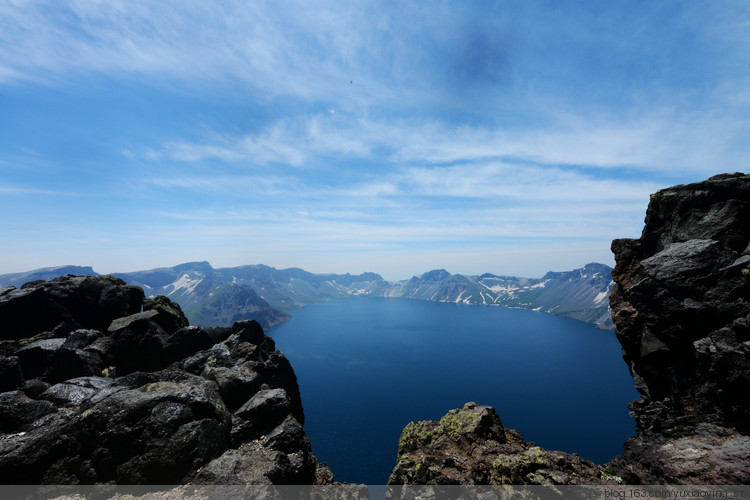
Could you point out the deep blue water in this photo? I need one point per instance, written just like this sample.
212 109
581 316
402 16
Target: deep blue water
368 366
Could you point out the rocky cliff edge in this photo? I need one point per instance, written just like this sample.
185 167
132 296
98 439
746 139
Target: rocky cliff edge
102 385
681 309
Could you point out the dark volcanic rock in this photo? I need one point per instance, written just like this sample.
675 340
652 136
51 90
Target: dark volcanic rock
78 301
54 360
139 342
185 342
10 373
266 407
681 309
251 463
170 316
17 411
236 384
277 458
470 446
249 331
103 392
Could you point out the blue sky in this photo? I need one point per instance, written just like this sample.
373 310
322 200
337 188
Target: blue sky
512 137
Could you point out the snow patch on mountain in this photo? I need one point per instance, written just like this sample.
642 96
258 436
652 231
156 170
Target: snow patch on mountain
184 283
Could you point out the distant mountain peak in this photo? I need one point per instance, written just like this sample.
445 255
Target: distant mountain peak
435 275
199 266
44 273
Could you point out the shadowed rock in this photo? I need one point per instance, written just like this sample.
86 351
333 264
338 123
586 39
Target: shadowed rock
681 309
73 301
169 314
116 394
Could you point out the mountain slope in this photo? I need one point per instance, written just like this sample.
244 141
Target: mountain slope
205 295
291 288
231 303
217 297
45 273
581 294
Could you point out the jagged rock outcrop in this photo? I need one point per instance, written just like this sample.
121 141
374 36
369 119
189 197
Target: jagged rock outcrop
471 446
60 306
681 309
103 386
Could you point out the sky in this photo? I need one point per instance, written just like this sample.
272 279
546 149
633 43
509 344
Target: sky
511 137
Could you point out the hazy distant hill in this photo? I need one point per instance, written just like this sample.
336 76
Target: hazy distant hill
221 296
581 294
46 273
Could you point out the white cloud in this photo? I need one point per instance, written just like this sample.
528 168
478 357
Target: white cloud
310 51
288 141
669 141
281 49
24 191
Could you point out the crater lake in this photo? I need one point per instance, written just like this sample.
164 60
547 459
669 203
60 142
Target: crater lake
366 367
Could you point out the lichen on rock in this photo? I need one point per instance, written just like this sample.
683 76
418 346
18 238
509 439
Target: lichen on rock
471 446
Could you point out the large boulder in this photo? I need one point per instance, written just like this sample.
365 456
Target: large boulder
127 431
54 360
139 342
170 316
72 301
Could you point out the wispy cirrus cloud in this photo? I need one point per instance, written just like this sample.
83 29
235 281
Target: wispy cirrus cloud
468 202
668 141
25 191
307 50
292 142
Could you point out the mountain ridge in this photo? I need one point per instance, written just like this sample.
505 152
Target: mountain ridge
219 296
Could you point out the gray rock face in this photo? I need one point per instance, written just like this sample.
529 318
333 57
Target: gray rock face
681 309
141 397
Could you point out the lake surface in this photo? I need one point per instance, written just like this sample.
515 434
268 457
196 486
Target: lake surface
368 366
